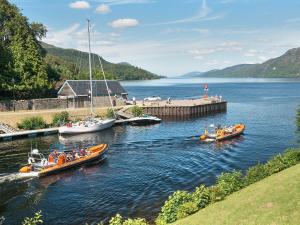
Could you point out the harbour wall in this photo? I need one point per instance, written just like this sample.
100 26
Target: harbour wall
186 110
55 103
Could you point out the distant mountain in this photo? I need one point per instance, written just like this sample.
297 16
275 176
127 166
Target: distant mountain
74 64
124 63
193 74
285 66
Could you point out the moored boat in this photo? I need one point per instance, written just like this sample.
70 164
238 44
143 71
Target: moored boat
88 126
59 161
223 133
143 120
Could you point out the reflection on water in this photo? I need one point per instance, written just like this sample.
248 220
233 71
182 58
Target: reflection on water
145 165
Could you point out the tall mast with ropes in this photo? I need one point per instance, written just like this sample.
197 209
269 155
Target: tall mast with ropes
90 67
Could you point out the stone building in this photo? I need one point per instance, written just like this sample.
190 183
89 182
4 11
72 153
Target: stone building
78 92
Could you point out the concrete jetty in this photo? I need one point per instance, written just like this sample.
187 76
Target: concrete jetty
28 133
184 108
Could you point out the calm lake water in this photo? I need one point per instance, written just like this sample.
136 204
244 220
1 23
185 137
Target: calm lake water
145 165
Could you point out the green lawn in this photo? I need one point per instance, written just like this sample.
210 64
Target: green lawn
274 200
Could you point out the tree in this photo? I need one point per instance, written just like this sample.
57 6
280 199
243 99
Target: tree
23 70
39 30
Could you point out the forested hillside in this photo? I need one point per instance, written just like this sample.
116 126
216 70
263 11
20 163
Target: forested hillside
73 64
32 69
287 65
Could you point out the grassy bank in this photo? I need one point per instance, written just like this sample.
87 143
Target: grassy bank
12 118
273 200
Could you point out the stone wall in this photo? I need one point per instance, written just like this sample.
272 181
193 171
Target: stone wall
54 103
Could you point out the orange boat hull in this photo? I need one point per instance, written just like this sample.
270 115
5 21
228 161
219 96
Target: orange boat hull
240 128
96 153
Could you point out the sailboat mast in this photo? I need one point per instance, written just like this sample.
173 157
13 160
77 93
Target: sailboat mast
90 67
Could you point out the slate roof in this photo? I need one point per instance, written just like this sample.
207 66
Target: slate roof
82 87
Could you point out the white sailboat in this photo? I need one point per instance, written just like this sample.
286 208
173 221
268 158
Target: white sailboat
92 124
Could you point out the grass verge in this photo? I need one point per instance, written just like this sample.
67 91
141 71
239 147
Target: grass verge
274 200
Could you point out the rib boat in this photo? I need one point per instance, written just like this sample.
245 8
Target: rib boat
223 133
59 161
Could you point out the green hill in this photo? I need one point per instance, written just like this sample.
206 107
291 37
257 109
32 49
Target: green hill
285 66
273 200
74 64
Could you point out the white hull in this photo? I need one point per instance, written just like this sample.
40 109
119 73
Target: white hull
87 128
146 119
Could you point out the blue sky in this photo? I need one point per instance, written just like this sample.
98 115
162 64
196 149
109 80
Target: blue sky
172 37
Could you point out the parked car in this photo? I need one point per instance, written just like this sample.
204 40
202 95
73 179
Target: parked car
152 99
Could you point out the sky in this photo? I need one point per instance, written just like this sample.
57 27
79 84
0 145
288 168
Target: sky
172 37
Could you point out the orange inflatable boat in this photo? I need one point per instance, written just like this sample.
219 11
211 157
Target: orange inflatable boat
223 133
59 161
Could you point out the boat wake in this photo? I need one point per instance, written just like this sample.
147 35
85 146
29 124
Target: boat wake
16 176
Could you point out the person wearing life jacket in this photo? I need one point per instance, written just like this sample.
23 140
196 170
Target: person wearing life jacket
206 132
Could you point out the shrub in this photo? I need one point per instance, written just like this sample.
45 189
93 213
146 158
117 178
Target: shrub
137 111
201 196
215 194
282 161
137 221
255 173
171 206
60 118
36 219
32 123
110 113
186 209
229 182
118 220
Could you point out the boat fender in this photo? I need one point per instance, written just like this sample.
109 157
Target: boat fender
25 169
31 160
44 162
202 137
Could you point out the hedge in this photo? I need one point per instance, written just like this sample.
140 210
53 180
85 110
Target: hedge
182 203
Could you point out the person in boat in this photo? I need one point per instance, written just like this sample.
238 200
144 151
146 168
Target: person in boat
77 155
206 132
82 152
55 155
69 157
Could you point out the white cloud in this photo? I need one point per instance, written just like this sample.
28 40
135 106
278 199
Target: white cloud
249 62
263 58
170 30
293 20
80 5
202 15
227 1
200 57
123 23
248 54
75 36
227 46
103 9
61 37
123 2
251 53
